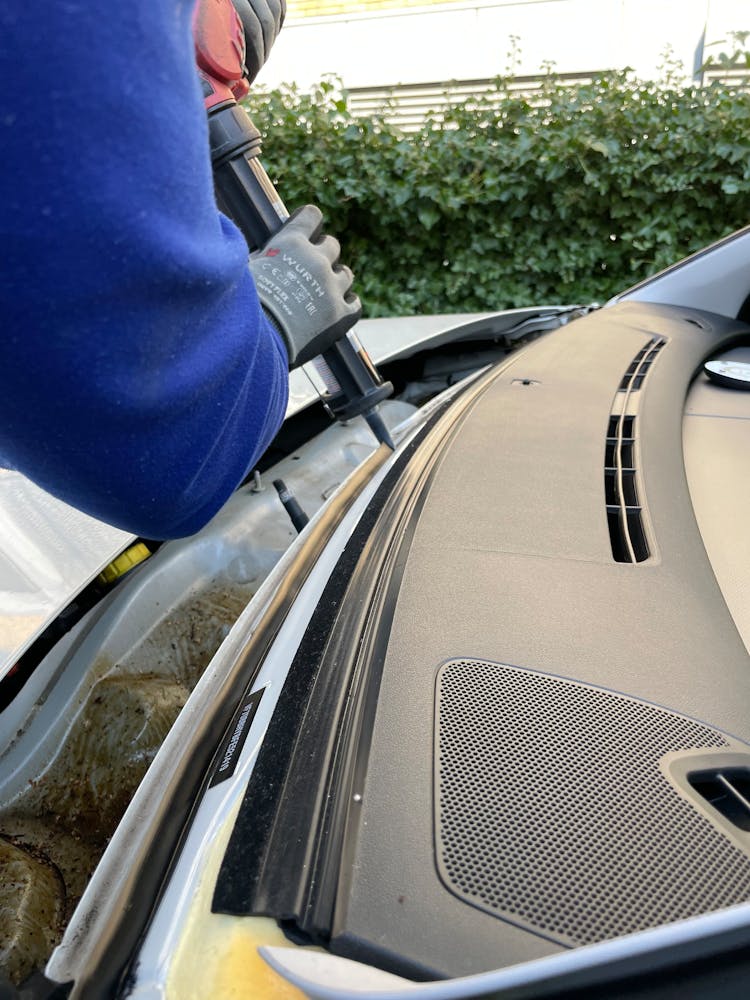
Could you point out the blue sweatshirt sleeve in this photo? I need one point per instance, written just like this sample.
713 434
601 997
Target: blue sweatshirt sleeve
139 378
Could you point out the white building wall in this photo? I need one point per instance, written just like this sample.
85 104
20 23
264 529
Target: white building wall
471 41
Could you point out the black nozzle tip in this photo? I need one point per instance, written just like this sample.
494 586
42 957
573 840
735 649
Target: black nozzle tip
378 428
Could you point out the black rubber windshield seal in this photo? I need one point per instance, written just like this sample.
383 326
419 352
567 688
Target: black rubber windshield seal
247 855
283 855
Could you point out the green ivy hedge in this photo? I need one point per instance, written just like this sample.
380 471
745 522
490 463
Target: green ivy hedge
569 199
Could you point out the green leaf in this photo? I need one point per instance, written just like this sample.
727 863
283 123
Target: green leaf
428 215
606 147
731 185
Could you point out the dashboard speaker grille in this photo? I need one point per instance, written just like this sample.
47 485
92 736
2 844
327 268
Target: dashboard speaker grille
551 809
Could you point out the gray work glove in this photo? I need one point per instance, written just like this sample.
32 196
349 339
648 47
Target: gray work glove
262 20
302 287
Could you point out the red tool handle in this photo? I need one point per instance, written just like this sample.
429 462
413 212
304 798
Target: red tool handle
220 51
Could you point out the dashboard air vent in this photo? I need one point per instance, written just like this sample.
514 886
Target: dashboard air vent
727 790
621 490
633 378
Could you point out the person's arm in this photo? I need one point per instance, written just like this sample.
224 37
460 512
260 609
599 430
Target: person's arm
139 378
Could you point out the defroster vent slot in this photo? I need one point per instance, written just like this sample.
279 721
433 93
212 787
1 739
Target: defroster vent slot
639 367
622 492
727 789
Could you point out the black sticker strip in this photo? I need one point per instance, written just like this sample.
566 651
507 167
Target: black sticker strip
235 740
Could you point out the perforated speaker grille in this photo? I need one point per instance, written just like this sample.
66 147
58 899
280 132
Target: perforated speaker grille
551 809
